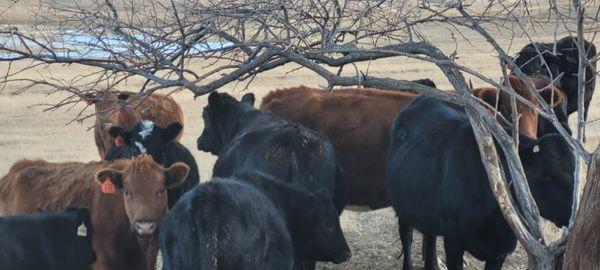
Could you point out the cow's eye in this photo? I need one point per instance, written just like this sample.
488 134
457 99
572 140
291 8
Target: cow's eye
127 194
160 192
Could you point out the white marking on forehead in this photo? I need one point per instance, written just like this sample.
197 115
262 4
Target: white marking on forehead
141 147
147 127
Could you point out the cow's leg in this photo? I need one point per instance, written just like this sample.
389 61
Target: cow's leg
589 92
430 252
495 264
454 253
406 239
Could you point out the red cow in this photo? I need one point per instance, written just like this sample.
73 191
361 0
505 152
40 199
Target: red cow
127 200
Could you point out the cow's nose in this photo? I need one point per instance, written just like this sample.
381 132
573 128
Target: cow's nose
342 257
145 227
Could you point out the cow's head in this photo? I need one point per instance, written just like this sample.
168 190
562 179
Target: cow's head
549 164
537 63
145 138
106 101
102 99
528 123
569 55
220 120
143 184
125 116
321 233
79 232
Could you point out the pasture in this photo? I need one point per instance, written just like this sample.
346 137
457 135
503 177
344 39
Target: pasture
27 131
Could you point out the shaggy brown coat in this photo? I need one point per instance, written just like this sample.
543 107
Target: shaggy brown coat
37 184
160 109
358 123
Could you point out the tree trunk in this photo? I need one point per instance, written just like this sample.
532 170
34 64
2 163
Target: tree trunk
583 247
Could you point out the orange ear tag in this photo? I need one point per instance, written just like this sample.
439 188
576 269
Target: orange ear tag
108 187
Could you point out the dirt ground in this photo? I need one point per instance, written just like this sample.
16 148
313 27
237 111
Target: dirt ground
28 132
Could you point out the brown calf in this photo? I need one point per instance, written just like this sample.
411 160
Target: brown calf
528 123
160 109
125 220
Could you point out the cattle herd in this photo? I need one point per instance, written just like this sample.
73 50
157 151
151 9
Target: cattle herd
284 174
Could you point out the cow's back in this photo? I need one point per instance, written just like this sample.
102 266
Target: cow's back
225 224
38 184
357 121
33 185
284 150
437 182
162 110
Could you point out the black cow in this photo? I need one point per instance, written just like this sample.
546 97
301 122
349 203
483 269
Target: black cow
50 241
565 61
227 225
250 140
438 184
311 218
149 138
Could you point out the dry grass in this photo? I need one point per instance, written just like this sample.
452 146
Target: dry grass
30 133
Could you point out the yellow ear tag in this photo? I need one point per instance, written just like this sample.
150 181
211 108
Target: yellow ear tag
82 230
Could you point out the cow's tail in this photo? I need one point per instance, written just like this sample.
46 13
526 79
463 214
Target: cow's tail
298 151
206 237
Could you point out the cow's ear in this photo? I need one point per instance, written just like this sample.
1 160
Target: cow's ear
249 98
123 96
83 214
214 99
89 98
176 174
171 131
116 177
553 96
488 95
505 63
119 131
552 59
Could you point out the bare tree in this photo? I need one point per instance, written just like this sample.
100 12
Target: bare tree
584 242
200 46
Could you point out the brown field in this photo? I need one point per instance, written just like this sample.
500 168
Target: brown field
28 132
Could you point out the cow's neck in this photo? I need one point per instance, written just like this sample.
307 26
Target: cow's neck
240 119
149 247
286 199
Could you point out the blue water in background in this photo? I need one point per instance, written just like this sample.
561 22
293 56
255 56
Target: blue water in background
73 44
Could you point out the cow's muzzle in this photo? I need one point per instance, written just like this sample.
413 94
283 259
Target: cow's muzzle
145 228
342 256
